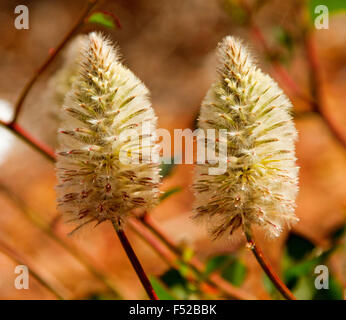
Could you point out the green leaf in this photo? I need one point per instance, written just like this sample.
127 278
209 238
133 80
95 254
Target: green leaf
170 192
304 290
217 263
336 234
177 284
166 168
305 268
269 286
160 289
298 247
231 268
235 273
283 37
334 6
236 12
103 19
334 292
173 277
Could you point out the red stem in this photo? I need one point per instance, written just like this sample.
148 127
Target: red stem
19 104
312 59
267 268
134 261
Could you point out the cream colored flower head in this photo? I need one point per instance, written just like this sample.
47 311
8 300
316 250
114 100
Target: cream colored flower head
260 184
104 116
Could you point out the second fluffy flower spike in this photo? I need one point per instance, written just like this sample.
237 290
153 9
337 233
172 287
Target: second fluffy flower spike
259 186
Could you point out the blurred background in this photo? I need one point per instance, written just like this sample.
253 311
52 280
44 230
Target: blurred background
170 45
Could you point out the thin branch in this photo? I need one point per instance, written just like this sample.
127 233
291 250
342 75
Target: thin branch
26 137
287 80
18 106
10 253
35 220
268 269
160 249
314 77
196 265
134 260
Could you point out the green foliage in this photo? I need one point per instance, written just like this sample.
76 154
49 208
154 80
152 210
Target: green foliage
160 289
102 19
335 291
334 6
178 285
166 169
236 11
285 45
298 247
299 262
170 192
338 233
235 273
231 269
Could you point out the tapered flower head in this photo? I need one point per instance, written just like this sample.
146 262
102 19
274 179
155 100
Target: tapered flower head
259 186
106 101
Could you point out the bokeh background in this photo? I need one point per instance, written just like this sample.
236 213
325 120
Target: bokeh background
170 45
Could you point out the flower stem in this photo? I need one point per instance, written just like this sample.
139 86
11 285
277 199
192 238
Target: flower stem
26 137
134 260
268 269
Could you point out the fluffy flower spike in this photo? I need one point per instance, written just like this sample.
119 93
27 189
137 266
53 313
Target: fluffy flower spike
106 99
259 186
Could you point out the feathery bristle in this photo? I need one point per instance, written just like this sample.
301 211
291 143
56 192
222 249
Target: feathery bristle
106 99
259 186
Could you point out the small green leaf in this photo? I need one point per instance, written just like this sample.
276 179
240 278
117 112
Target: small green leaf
236 12
305 268
269 286
298 247
283 37
334 6
102 19
235 273
231 268
336 234
177 283
170 192
166 168
217 263
160 289
304 290
334 292
173 277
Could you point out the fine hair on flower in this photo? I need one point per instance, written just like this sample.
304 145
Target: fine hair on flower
103 119
260 184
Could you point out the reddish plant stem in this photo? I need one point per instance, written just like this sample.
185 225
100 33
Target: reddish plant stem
282 74
25 136
267 268
18 106
134 260
314 77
